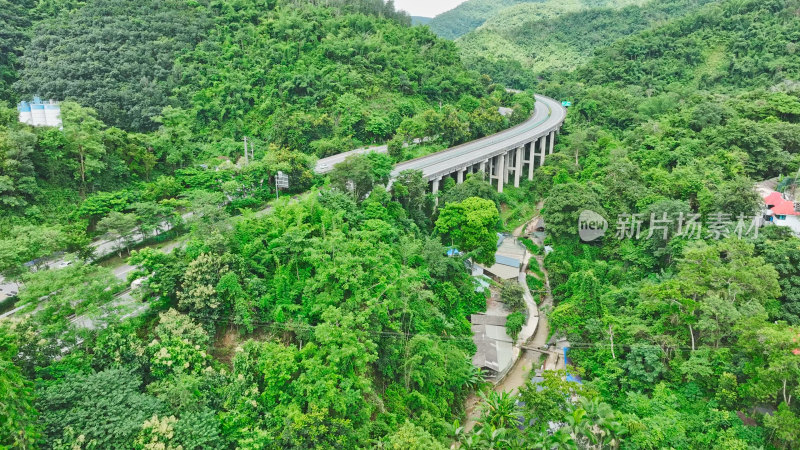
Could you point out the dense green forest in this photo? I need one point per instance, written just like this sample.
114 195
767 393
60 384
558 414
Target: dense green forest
506 17
299 81
468 16
116 57
339 317
520 43
242 344
689 342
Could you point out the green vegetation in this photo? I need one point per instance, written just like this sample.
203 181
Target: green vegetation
471 226
241 344
534 284
511 293
468 16
127 86
358 77
514 323
676 339
344 265
520 43
532 247
519 204
15 21
338 317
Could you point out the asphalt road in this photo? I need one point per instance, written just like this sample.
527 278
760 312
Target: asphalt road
548 116
325 165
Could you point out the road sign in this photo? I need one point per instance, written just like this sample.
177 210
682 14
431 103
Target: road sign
282 180
566 104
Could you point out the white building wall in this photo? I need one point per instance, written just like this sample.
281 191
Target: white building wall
25 117
52 115
792 222
39 119
40 114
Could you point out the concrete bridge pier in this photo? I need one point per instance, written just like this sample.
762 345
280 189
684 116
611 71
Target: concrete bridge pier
435 190
518 169
552 141
542 150
531 158
506 166
502 174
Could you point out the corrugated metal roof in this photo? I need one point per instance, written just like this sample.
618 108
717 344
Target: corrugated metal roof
506 261
484 319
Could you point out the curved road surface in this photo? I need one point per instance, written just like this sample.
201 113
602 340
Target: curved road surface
547 118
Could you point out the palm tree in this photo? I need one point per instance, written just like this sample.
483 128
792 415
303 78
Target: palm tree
594 425
499 410
560 440
475 378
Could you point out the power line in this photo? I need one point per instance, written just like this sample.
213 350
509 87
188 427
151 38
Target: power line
303 327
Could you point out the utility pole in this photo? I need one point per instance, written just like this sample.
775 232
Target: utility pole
245 150
252 151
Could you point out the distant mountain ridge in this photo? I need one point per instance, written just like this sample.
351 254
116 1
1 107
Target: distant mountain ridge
468 16
472 14
513 40
419 20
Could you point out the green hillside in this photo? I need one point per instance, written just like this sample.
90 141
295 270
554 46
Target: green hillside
15 22
469 16
114 56
556 36
723 46
419 20
681 333
514 14
187 81
335 313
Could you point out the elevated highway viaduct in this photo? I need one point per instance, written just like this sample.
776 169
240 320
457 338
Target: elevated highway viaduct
505 157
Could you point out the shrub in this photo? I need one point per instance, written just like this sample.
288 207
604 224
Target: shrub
514 324
534 284
511 294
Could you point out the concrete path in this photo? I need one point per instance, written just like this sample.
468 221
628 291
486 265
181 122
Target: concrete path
524 360
536 334
533 311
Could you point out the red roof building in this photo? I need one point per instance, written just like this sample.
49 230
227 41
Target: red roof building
779 205
783 212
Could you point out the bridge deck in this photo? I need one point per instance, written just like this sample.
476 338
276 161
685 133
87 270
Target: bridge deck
548 116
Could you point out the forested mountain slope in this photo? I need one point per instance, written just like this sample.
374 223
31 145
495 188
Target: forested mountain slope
723 46
339 318
468 16
336 320
532 38
686 334
295 75
15 22
155 88
473 14
114 56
